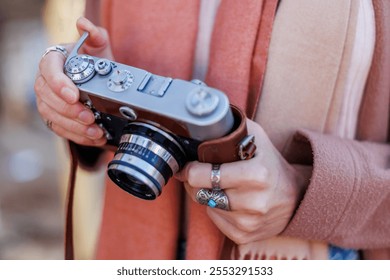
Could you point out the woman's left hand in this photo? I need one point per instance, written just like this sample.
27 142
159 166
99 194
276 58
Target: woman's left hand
263 192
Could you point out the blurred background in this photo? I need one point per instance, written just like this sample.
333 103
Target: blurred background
33 161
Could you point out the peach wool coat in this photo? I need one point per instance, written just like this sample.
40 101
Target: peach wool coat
295 67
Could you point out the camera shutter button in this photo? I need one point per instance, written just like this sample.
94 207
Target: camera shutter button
202 102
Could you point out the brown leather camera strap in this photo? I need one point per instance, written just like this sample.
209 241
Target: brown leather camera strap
235 146
69 250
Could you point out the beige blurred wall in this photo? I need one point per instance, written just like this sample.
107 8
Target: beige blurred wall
60 17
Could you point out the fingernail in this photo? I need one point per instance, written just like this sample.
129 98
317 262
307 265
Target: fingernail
86 117
93 132
84 23
69 95
83 20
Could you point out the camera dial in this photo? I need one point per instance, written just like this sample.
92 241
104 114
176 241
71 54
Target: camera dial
201 102
120 80
103 67
80 68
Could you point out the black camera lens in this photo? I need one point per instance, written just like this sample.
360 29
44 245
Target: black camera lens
145 160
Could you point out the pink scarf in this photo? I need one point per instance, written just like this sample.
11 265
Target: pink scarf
161 38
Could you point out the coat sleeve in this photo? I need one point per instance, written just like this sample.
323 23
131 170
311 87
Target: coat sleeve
347 202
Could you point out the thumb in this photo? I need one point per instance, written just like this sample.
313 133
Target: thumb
98 42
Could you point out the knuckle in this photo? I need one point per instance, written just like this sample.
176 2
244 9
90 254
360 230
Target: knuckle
239 238
56 78
247 225
76 128
39 84
38 91
259 207
67 110
104 32
64 109
41 64
56 81
43 109
257 174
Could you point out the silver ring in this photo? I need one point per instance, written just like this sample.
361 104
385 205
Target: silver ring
215 176
213 198
49 124
56 48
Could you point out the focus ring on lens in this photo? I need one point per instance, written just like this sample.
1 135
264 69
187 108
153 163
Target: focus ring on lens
160 137
142 143
129 151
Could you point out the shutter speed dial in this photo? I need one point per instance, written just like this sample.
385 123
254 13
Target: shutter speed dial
120 80
80 68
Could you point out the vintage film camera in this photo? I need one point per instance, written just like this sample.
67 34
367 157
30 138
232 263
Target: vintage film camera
155 123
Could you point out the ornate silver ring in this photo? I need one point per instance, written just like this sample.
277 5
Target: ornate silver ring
213 198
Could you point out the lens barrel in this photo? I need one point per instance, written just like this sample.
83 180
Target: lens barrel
145 160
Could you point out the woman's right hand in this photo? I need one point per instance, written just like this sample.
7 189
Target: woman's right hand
57 97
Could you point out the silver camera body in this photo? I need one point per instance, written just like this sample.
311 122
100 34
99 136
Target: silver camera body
155 122
203 111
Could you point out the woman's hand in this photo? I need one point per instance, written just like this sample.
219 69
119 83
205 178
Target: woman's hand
263 192
57 97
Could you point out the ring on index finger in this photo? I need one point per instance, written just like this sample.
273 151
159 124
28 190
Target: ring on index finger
56 48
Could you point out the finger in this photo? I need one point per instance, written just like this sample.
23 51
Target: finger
193 169
75 111
78 139
233 175
98 42
251 225
226 226
191 191
238 227
243 200
51 69
242 221
96 38
93 131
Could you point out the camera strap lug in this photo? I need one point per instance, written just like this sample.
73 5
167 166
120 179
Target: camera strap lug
247 147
